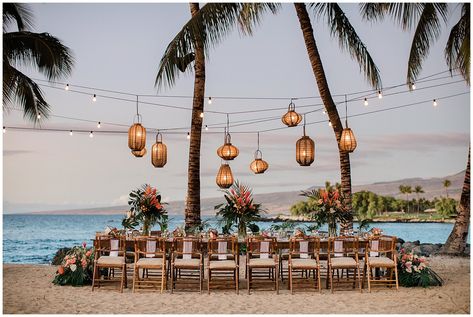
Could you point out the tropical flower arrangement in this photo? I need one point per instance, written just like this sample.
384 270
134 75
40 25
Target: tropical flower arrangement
414 270
145 209
239 210
77 267
376 231
326 205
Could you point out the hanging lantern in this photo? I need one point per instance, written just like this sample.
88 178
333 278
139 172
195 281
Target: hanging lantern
305 150
159 152
140 153
137 133
228 151
258 166
224 176
291 118
347 139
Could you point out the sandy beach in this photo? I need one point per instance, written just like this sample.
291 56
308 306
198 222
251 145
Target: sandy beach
28 289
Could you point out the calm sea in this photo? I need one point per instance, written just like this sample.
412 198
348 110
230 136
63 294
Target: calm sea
36 238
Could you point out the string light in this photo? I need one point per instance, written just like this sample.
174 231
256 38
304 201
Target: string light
324 112
206 128
210 100
94 98
188 135
413 86
91 135
330 123
380 95
67 87
4 130
98 125
435 103
70 133
202 114
366 102
38 116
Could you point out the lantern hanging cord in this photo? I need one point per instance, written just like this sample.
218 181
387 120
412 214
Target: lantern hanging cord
346 111
137 111
258 139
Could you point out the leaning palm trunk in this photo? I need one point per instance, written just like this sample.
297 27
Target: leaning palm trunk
456 241
326 96
193 174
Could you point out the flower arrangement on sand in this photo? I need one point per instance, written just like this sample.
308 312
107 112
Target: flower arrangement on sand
239 210
145 209
77 267
414 270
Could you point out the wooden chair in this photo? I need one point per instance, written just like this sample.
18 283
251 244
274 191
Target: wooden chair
150 257
381 255
262 260
186 261
304 258
109 254
343 255
222 261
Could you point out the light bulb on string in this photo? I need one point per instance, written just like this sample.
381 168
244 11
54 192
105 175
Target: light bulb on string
206 128
210 100
38 116
94 98
380 94
91 135
330 123
70 132
188 135
413 86
202 114
365 102
98 125
67 87
324 112
4 130
435 103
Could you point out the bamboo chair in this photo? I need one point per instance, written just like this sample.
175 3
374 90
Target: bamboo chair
109 254
343 255
381 255
150 257
304 258
222 262
262 261
186 261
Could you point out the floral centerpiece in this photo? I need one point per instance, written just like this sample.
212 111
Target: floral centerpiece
327 205
414 270
376 231
77 267
239 210
145 209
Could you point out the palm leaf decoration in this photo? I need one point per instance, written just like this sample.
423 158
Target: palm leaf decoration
457 51
40 51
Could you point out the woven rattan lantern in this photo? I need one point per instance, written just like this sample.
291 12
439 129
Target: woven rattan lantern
159 152
137 133
228 151
305 150
347 139
224 176
140 153
258 166
291 118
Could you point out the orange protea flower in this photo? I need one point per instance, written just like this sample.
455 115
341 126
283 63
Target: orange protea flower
336 195
148 190
158 205
60 270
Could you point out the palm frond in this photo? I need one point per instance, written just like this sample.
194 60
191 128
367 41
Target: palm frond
341 28
210 26
406 14
426 33
19 88
19 13
457 50
39 50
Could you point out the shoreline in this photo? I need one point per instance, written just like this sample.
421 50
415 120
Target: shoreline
286 218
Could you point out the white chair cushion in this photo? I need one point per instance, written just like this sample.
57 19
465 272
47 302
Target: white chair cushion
156 262
303 263
111 260
261 262
342 262
187 263
381 261
224 264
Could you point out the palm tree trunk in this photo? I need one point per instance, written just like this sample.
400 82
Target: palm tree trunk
456 241
193 183
324 91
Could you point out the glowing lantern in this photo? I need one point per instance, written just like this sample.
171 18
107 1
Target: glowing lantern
159 152
305 150
291 118
224 176
228 151
140 153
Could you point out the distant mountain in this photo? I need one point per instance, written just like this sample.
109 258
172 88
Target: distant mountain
281 202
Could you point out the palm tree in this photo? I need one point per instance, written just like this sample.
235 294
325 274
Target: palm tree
418 190
446 183
215 20
425 17
25 49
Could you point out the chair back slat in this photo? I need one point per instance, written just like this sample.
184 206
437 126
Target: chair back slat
343 246
262 247
222 248
150 247
187 247
381 246
109 245
304 248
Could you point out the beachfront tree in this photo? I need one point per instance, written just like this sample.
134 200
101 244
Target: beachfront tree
214 20
418 190
446 183
405 189
25 49
425 17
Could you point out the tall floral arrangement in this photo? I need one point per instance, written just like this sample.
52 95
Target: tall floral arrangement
414 270
239 209
145 209
327 205
76 268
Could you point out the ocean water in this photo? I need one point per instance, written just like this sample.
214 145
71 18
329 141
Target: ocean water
36 238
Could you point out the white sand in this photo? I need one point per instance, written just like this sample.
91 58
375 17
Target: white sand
28 289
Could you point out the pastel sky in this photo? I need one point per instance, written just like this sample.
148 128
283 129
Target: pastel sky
118 47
